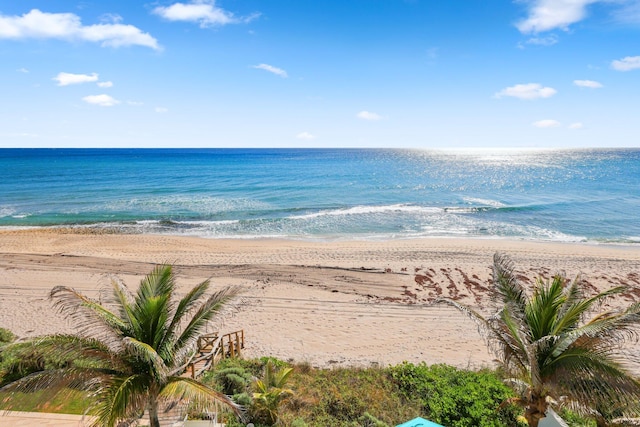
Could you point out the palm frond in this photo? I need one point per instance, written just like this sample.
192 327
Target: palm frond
187 303
55 380
89 316
591 373
159 282
204 398
121 398
146 353
509 290
211 307
611 329
125 301
153 305
508 348
543 308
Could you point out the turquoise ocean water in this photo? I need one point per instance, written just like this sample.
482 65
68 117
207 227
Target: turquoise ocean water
324 194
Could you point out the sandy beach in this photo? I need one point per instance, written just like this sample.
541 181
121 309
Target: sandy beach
327 303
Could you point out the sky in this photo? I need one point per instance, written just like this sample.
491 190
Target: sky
326 73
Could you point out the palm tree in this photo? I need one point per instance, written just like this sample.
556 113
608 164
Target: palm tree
130 354
551 348
270 391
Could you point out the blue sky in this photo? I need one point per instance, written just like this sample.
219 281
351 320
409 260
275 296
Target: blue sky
332 73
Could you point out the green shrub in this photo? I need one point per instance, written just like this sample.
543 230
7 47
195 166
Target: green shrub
344 397
454 397
298 422
6 336
368 420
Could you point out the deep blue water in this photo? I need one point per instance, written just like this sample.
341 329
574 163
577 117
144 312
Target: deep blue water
563 195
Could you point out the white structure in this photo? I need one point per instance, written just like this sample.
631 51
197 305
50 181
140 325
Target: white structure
552 420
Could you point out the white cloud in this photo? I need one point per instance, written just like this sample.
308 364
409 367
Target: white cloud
22 70
275 70
68 26
543 41
626 64
366 115
629 12
66 79
111 18
527 91
161 110
101 100
105 84
588 83
546 123
203 12
577 125
305 135
545 15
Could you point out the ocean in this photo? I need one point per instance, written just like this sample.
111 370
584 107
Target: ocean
328 194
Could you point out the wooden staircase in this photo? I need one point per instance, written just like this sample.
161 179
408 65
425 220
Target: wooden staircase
213 348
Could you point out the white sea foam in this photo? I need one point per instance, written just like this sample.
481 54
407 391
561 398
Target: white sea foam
484 202
364 210
6 211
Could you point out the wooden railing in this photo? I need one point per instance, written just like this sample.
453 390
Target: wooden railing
212 348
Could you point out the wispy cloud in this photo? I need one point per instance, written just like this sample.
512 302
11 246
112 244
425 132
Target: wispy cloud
305 135
161 110
548 123
68 26
527 91
105 84
22 70
270 68
367 115
66 79
203 12
626 64
546 15
628 13
588 83
101 100
549 40
576 125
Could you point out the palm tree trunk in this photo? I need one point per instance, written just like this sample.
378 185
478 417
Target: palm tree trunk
536 410
153 413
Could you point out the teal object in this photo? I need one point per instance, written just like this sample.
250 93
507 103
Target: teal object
419 422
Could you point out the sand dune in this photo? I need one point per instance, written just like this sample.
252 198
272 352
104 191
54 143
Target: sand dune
328 303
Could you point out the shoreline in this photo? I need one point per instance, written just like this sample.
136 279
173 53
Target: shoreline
114 230
123 229
328 303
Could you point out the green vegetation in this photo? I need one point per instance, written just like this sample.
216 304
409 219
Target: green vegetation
373 397
350 397
456 398
551 347
6 336
130 354
270 392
